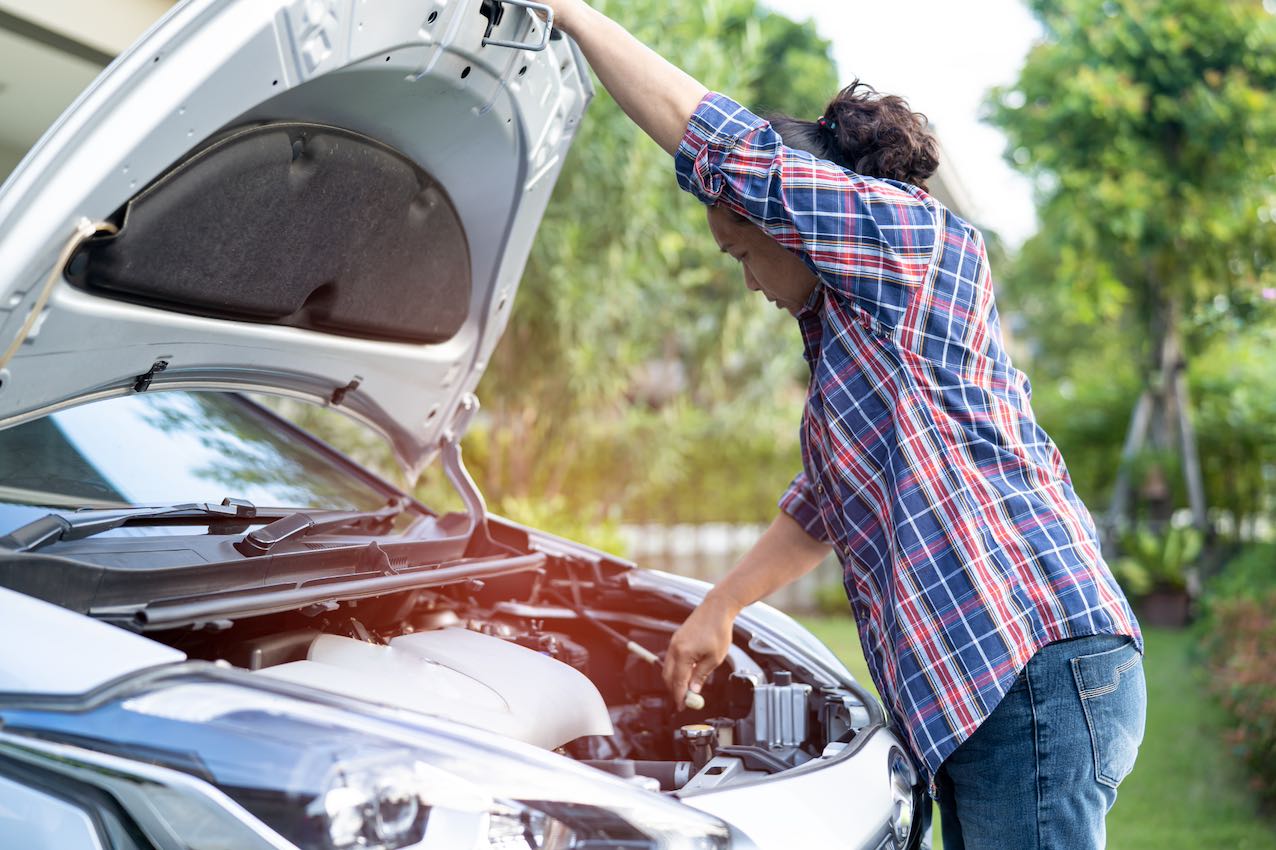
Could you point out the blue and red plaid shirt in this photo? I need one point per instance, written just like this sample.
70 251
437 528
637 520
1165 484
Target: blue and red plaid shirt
964 547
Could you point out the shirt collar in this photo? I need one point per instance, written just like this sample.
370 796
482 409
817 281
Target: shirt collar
813 301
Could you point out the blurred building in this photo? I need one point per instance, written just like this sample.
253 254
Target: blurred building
50 50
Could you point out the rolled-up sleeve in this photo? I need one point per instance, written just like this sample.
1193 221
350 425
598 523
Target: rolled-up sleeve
799 503
871 241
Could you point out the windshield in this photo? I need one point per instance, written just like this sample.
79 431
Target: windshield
165 448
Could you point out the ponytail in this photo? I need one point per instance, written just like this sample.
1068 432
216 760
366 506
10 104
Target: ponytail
868 133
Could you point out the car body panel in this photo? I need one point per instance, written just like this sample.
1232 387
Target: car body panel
787 632
844 804
67 653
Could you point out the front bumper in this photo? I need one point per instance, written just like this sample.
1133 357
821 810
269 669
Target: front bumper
843 804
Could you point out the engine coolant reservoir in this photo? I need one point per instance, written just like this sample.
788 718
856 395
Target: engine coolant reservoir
462 675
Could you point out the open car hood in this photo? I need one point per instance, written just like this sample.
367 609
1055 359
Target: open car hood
326 199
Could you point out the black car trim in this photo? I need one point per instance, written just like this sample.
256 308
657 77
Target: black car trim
169 614
117 593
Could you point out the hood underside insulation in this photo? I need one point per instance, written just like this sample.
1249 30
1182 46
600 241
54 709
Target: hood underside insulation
292 224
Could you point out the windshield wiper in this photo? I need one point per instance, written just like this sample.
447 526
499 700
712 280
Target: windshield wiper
53 528
305 523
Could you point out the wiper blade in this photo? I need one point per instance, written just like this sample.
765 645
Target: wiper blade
53 528
304 523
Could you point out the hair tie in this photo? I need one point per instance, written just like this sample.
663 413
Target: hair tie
825 124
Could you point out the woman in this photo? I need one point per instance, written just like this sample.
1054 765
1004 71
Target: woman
1001 645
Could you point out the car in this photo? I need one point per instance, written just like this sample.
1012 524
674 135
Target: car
218 631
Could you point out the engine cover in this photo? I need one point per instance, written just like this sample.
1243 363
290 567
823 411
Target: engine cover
462 675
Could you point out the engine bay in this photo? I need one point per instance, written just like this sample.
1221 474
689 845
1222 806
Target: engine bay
566 657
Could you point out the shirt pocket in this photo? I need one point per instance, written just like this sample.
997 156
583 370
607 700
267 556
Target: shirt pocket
1114 699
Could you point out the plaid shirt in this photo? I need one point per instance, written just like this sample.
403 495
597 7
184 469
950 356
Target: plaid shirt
964 547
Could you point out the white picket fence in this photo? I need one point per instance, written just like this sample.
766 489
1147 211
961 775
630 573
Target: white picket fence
708 551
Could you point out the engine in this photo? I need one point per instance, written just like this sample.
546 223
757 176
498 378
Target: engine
576 673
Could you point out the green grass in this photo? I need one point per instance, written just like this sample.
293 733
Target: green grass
1187 789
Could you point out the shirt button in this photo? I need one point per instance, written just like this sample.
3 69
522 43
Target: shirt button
819 488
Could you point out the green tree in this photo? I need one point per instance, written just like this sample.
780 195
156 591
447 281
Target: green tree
1150 131
636 364
637 374
1234 385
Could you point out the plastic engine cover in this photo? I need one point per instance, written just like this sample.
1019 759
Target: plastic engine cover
462 675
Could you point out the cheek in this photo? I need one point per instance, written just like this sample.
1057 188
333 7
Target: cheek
775 269
798 279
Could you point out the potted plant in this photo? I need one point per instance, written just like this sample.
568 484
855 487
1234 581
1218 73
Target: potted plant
1154 570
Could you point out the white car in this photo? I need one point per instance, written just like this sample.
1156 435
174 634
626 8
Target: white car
218 632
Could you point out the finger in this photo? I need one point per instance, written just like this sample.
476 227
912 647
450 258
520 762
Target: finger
670 665
679 677
700 673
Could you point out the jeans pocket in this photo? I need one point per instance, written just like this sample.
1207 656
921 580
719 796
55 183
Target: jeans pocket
1114 698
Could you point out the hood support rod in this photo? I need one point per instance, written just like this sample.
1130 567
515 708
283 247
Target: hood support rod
462 482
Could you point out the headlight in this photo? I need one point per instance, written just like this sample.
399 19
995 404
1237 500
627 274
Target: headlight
904 797
194 752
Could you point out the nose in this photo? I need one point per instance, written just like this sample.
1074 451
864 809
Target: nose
750 281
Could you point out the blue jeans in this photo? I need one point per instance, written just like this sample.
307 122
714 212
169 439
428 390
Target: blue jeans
1043 769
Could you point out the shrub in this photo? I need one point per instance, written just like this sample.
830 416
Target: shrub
1250 574
1240 639
556 516
1242 652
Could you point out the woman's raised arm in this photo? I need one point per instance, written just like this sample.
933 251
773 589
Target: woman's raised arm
657 95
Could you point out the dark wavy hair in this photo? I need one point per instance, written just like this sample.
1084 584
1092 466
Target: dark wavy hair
869 133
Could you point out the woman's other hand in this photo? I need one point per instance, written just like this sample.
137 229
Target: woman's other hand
699 646
783 554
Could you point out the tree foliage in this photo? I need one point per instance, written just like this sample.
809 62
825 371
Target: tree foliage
1235 387
636 365
1149 129
638 378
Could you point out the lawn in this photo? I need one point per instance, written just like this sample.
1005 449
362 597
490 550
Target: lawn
1186 791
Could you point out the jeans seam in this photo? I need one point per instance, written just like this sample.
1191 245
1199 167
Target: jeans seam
1110 686
1089 724
1036 750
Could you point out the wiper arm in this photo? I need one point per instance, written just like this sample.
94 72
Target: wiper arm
53 528
304 523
